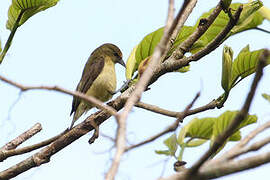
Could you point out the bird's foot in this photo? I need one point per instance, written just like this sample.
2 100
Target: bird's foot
96 132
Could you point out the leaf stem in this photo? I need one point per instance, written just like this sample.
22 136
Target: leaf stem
263 30
11 35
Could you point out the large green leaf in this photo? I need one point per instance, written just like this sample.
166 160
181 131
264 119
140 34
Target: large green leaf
131 64
249 19
200 128
28 8
245 64
209 128
225 119
196 142
196 128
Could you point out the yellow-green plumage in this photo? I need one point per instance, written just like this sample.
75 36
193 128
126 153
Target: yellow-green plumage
98 78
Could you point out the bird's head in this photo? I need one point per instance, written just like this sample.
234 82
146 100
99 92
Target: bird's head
114 52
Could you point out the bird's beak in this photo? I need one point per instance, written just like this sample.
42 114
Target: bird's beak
122 62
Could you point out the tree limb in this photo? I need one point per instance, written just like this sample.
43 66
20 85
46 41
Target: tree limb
97 103
21 138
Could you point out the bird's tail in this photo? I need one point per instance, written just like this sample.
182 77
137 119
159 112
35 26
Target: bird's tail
76 116
83 108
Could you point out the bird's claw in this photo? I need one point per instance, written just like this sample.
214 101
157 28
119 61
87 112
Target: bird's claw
96 132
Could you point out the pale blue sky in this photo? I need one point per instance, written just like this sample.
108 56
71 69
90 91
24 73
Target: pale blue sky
52 47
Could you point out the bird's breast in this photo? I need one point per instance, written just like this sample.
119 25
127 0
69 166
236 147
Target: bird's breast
105 84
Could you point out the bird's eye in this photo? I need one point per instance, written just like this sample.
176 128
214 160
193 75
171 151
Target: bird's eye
115 54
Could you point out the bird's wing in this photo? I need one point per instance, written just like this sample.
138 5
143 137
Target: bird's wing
91 71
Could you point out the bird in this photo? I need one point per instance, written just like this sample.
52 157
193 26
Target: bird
98 78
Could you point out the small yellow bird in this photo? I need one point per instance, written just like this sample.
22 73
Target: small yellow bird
98 78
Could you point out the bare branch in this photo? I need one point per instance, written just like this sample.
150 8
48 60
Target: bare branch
240 147
157 109
216 42
201 29
225 168
170 128
21 138
97 103
6 154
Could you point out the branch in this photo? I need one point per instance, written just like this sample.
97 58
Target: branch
97 103
225 168
239 149
21 138
200 30
219 141
13 152
261 29
157 109
170 128
217 41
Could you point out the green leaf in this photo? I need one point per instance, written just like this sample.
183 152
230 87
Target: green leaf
248 10
197 128
265 12
28 7
146 47
227 58
225 119
171 143
131 64
196 142
164 152
248 20
245 64
266 96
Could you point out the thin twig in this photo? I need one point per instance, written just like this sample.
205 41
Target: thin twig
261 29
185 15
239 148
22 138
216 42
6 154
157 109
219 141
97 103
200 30
170 128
